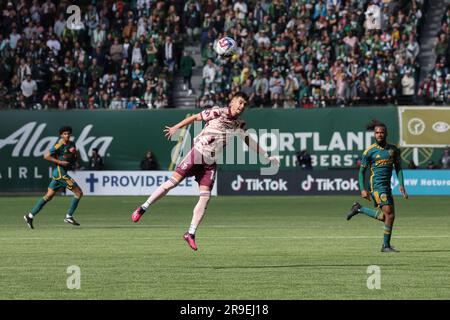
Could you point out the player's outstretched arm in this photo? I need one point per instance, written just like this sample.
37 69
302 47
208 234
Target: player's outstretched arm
170 131
399 171
49 157
254 145
364 193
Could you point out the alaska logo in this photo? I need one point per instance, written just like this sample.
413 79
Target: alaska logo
27 141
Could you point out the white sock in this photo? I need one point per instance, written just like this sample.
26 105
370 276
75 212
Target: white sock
30 216
192 229
199 211
160 192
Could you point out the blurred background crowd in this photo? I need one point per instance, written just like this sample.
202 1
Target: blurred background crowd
291 54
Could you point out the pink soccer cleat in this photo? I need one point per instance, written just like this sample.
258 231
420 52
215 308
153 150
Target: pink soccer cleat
190 239
137 214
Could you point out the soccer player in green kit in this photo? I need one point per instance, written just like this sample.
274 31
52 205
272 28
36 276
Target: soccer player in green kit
62 154
381 158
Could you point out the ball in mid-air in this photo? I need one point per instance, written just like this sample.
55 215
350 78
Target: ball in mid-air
225 46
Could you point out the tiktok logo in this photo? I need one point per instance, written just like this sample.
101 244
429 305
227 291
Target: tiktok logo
307 184
237 184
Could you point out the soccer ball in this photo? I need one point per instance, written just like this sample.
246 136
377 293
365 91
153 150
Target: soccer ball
225 46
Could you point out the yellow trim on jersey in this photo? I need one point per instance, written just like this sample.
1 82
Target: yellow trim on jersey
59 144
368 149
59 173
69 182
377 197
371 178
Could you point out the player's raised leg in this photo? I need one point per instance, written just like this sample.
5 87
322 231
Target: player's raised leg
198 214
373 213
78 194
160 192
38 207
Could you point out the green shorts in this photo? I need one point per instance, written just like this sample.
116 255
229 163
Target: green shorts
382 198
64 182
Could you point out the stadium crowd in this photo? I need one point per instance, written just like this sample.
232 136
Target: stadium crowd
291 53
435 88
312 53
120 55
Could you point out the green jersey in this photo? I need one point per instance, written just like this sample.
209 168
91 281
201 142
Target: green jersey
63 152
381 161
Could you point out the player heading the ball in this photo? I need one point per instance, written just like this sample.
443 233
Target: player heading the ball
221 125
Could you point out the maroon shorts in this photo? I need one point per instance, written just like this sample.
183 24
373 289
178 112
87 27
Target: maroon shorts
194 164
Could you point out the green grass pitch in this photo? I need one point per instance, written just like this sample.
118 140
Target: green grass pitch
249 248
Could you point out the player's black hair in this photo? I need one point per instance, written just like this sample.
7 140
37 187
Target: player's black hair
242 95
375 123
64 129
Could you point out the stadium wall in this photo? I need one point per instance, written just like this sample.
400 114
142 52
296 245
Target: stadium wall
334 137
326 182
134 183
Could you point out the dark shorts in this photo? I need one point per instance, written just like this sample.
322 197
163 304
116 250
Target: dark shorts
382 198
64 182
194 164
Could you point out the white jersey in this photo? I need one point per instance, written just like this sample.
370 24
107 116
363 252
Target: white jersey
220 127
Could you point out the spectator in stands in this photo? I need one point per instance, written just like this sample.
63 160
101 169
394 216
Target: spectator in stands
53 44
249 90
207 101
95 160
28 88
169 54
447 89
192 21
412 49
3 95
209 74
49 100
161 102
116 52
14 38
441 45
439 95
412 165
59 25
431 165
427 89
116 102
445 158
276 87
149 162
187 63
408 84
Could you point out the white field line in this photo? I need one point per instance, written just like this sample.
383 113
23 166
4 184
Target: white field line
226 237
207 226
